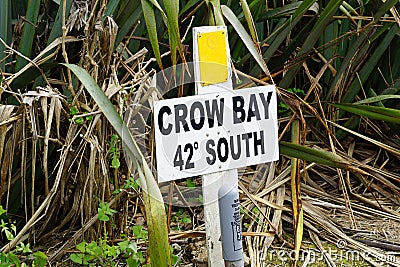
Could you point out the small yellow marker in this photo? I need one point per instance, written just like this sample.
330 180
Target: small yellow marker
212 57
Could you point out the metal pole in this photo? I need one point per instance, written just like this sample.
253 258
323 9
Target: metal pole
231 226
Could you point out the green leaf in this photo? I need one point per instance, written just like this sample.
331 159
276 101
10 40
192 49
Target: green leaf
139 232
3 225
115 163
131 18
104 211
106 207
12 258
250 21
103 217
9 235
133 247
376 99
28 34
95 250
77 258
190 183
231 17
40 259
282 32
138 257
79 120
132 262
124 245
24 248
175 259
14 228
370 64
172 12
356 46
81 247
217 16
157 5
319 27
73 111
296 193
153 201
56 30
5 28
111 7
287 9
150 19
372 112
188 5
186 220
112 251
2 211
310 154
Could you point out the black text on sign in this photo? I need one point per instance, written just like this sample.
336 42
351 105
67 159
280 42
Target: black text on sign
213 132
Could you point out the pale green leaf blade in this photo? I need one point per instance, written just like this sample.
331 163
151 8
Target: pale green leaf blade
150 19
154 205
76 258
231 17
219 19
376 99
309 154
157 5
250 21
372 112
172 12
296 193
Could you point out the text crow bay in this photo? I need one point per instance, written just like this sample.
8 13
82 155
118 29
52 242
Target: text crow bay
214 132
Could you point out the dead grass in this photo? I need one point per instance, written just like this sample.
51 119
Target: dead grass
56 166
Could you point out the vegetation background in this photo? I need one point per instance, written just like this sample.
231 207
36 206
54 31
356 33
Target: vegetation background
71 69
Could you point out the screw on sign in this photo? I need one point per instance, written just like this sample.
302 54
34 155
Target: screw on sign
214 133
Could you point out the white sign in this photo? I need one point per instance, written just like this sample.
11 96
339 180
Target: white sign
214 132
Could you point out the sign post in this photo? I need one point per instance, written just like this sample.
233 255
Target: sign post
214 133
211 58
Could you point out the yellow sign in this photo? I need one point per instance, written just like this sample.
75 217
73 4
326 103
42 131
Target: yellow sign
212 57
